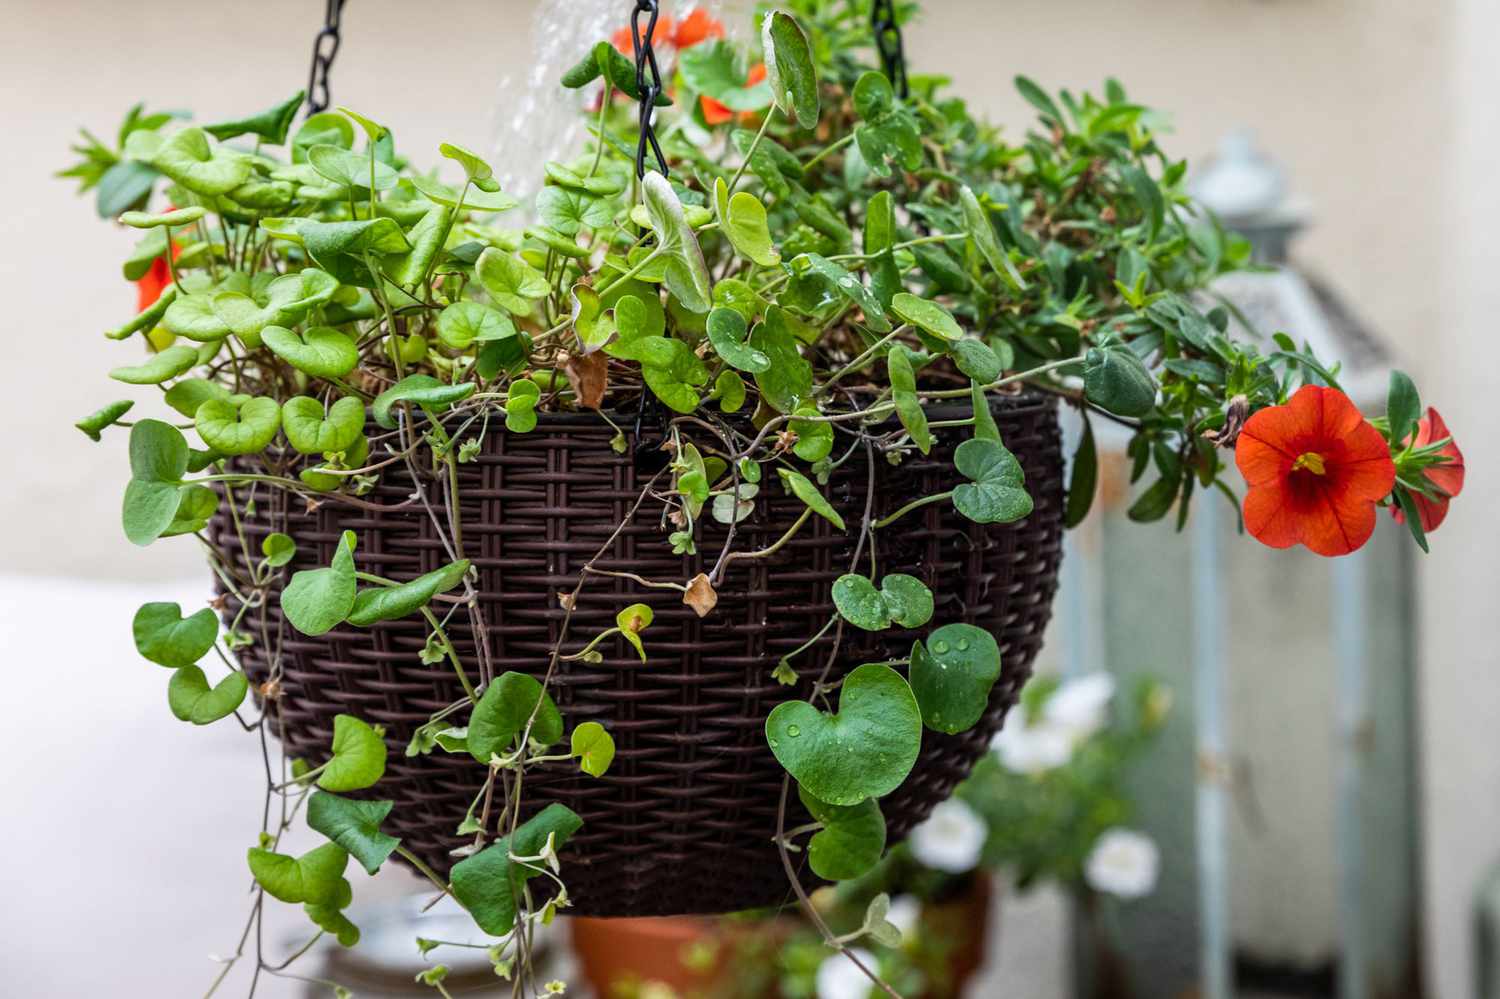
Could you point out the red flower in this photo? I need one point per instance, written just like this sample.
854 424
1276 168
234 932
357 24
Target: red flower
716 113
663 33
1447 478
151 284
699 26
1316 468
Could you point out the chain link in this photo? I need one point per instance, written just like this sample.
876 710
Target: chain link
888 41
649 87
325 47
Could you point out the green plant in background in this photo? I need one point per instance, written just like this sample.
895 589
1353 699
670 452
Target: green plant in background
797 294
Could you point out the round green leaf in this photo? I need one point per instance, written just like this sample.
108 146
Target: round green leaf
463 323
322 352
864 751
742 218
316 600
510 282
358 759
193 316
311 430
726 331
729 389
167 638
1117 381
926 315
188 158
158 460
901 599
503 711
243 428
788 381
976 359
952 674
594 747
473 200
997 494
489 883
851 841
187 395
350 169
192 700
278 549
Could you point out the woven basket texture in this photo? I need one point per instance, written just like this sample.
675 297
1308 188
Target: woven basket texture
683 822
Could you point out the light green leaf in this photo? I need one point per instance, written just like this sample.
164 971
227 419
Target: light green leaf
317 600
687 274
177 216
473 200
726 331
426 238
926 315
569 211
729 389
952 675
389 603
93 424
312 430
278 549
788 380
158 460
715 69
243 428
475 169
195 506
159 367
904 395
638 617
418 390
349 169
594 747
317 876
799 485
353 825
510 282
167 638
188 158
982 232
864 751
285 300
328 917
270 125
790 70
851 841
814 436
358 759
504 709
193 316
591 323
976 359
192 700
520 406
489 883
323 127
997 494
464 323
321 351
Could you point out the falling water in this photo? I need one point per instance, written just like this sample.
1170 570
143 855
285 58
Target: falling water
536 119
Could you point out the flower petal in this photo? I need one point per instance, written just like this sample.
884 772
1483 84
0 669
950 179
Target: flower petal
1337 525
1268 514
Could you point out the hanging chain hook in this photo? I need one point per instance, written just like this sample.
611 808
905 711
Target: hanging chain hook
325 47
649 88
888 41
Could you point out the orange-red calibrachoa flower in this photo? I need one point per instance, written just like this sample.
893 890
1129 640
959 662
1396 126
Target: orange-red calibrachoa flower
1447 478
699 26
1316 468
151 284
716 113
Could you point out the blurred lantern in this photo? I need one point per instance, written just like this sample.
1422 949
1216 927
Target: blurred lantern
1285 800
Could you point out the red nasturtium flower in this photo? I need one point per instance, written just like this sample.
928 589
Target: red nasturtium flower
716 113
697 27
1316 468
1447 478
151 284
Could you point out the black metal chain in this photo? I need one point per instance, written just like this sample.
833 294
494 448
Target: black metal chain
648 88
325 47
888 41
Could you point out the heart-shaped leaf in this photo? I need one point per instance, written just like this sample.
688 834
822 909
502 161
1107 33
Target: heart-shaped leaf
952 674
195 506
729 389
851 841
331 919
638 617
389 603
167 638
192 161
982 232
353 825
864 751
463 323
594 747
193 700
687 274
193 316
715 69
343 248
358 759
926 315
570 211
726 331
351 170
997 494
799 485
245 427
489 883
520 406
314 877
159 367
95 423
788 379
790 71
158 461
814 436
510 282
278 549
316 600
270 125
504 709
323 127
285 300
742 218
474 167
321 351
901 599
427 238
473 200
424 391
312 430
1117 381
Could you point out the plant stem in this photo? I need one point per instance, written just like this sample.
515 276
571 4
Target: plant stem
415 861
829 151
749 153
437 629
908 508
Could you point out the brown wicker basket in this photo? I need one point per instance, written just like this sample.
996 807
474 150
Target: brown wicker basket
683 821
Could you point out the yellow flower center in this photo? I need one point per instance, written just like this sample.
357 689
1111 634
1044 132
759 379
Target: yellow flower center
1312 461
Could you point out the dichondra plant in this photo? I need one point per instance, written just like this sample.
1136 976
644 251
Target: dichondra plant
828 272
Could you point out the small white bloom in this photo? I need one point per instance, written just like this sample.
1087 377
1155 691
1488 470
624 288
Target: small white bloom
905 914
1031 749
838 978
1124 863
1080 706
951 839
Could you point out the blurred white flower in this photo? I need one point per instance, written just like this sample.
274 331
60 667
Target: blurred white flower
838 978
1124 863
1031 749
951 839
905 914
1080 706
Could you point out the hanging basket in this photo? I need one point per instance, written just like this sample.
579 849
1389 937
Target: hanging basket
683 821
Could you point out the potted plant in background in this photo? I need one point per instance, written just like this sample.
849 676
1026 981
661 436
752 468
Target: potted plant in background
693 540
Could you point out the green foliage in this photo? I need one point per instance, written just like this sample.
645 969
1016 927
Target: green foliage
951 676
316 601
901 599
358 759
997 492
390 603
851 841
354 826
507 706
165 637
594 747
489 884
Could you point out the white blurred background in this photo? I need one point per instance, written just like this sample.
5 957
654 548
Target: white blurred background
1382 112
